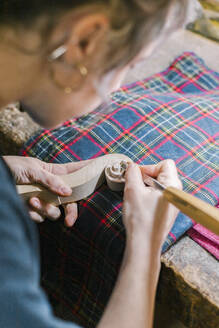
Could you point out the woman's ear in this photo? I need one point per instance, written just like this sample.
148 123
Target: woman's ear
86 37
83 49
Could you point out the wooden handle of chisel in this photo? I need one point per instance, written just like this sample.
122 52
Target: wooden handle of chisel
197 209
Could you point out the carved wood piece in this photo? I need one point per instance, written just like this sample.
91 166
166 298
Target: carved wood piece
115 175
82 182
112 168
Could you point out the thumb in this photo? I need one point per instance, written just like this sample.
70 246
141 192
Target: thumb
52 182
133 177
61 169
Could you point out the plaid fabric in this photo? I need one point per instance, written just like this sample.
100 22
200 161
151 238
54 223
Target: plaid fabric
204 237
173 114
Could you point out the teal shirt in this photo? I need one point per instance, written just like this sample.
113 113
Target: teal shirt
23 303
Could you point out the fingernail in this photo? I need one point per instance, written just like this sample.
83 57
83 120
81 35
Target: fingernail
36 203
69 222
55 213
66 190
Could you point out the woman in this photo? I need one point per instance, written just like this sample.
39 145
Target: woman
59 59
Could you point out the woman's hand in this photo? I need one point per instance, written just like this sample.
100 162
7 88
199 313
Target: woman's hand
146 214
28 170
148 218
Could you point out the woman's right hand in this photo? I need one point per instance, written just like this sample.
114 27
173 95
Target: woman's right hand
146 214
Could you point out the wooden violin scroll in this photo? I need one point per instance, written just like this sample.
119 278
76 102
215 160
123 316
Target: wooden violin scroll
112 168
115 175
82 182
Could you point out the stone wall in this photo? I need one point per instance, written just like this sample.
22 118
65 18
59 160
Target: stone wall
16 128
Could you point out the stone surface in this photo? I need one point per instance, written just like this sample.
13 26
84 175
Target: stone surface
15 129
189 283
164 318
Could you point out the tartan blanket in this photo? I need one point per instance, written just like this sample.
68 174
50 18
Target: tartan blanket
204 237
173 114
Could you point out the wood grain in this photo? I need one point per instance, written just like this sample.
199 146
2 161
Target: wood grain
87 179
82 182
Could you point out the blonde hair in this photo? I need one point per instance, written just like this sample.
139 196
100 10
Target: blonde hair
133 23
137 23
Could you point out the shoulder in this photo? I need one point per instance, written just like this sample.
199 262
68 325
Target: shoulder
8 194
13 211
5 173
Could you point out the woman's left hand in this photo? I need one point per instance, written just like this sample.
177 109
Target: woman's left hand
28 170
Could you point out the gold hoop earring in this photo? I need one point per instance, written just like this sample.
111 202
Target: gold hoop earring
83 70
68 89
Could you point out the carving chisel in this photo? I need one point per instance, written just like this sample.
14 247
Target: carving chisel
195 208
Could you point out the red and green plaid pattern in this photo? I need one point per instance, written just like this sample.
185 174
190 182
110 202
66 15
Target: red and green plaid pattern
173 114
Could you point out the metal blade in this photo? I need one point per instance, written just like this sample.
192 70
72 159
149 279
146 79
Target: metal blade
151 182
